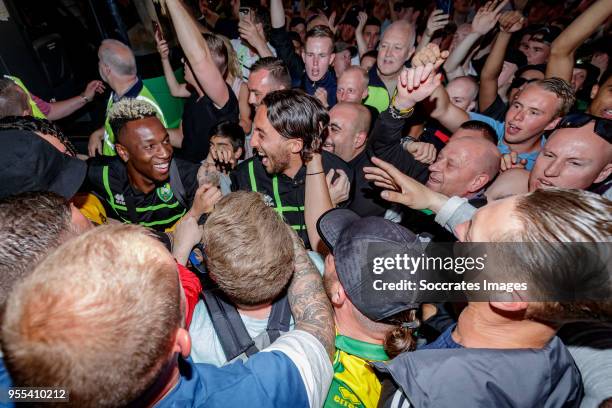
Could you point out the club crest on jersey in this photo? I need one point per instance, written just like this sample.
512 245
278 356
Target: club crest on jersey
165 193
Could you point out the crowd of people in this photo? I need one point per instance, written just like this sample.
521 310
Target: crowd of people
220 263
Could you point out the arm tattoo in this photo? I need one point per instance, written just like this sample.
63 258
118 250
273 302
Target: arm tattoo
310 306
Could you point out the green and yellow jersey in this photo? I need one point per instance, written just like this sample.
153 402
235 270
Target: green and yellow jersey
354 384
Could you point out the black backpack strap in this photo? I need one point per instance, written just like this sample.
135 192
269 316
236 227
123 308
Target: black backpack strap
176 184
233 335
280 318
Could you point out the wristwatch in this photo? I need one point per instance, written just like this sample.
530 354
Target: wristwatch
406 140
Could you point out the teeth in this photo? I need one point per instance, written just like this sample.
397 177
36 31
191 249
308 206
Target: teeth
161 166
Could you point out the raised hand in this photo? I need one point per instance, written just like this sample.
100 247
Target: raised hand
436 21
414 85
511 21
487 16
401 189
248 32
362 17
92 88
205 199
429 55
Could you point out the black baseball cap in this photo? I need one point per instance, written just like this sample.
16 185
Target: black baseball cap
349 236
30 163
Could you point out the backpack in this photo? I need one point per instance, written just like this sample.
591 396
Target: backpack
231 331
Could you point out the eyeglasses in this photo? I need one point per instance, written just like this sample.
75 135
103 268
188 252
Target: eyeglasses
603 127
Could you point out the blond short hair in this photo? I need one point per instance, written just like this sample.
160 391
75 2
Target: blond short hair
249 248
97 317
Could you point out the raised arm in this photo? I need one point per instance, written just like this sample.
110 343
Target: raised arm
249 32
177 90
316 201
562 50
362 47
67 107
484 21
197 53
509 23
310 306
277 14
436 21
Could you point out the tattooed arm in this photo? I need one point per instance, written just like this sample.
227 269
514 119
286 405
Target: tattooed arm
310 306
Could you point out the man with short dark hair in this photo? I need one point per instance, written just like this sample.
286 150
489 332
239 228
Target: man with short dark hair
288 130
267 74
143 184
310 71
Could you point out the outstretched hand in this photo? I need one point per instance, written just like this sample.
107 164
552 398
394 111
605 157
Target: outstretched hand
399 188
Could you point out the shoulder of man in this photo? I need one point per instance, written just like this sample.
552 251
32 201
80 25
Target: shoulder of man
95 169
241 175
188 172
331 161
517 377
293 371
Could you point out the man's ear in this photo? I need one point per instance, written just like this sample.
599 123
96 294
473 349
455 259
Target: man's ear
182 342
332 57
604 174
594 91
479 182
296 145
553 124
122 152
364 96
335 291
360 139
471 106
304 53
516 306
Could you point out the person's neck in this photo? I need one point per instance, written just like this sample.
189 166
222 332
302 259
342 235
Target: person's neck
357 152
122 85
140 182
163 385
479 326
347 325
528 146
390 81
256 312
295 164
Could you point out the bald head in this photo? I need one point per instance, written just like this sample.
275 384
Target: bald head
462 92
349 124
464 167
352 85
396 47
117 57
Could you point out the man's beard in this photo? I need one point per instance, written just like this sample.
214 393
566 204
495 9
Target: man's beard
278 163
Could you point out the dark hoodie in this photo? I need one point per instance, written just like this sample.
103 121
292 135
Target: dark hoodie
520 378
